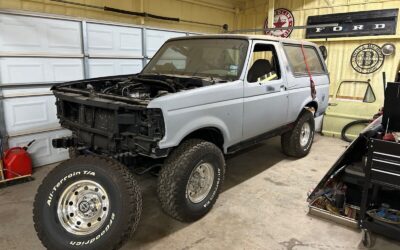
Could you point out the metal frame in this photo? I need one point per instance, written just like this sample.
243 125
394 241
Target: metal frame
144 47
3 131
85 49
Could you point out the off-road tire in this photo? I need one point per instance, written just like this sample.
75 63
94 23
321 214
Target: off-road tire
174 177
290 141
125 204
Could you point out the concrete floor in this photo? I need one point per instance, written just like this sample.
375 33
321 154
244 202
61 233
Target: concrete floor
263 206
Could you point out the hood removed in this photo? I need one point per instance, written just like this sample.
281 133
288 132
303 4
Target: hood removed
139 89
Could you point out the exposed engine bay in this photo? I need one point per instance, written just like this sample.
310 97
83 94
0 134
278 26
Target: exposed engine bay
110 115
141 88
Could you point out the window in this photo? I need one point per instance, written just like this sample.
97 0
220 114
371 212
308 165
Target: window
356 91
296 60
219 58
171 60
264 65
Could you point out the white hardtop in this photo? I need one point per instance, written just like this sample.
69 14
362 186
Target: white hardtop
246 37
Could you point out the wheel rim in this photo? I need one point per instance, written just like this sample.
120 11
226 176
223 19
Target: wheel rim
305 134
200 182
83 207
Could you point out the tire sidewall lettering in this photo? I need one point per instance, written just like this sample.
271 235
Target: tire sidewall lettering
52 202
97 237
123 207
64 180
215 190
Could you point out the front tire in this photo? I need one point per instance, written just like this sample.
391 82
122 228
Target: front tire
87 203
191 179
298 142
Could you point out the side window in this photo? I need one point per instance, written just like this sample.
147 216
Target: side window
355 91
264 64
296 60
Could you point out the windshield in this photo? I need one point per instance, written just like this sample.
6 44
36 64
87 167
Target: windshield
221 58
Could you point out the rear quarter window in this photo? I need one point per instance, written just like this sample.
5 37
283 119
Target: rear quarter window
296 59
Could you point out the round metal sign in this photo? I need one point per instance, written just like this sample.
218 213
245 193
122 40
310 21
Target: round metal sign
282 18
367 58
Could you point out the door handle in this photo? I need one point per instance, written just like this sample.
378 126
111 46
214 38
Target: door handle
269 89
283 88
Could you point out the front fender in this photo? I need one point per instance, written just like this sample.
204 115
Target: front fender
173 137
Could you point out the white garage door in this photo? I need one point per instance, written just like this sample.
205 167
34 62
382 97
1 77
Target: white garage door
37 51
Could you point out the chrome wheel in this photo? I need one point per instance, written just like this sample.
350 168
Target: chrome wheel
305 134
200 182
83 207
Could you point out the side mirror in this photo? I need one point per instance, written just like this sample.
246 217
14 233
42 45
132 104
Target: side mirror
324 51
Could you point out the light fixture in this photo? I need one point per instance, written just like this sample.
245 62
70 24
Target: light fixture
388 49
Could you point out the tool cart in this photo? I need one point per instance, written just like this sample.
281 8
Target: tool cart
362 188
381 188
382 177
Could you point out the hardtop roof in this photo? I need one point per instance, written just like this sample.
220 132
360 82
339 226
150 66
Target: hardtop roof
245 37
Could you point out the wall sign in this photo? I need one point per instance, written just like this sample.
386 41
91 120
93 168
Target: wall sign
282 18
367 58
362 23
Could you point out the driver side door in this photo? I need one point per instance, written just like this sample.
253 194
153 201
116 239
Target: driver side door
265 91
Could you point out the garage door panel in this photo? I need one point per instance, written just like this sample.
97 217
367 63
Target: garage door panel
23 34
29 70
66 38
42 151
18 92
18 36
108 67
114 40
66 70
30 113
16 70
156 38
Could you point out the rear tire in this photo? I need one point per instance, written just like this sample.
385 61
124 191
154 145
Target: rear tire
298 142
87 203
191 179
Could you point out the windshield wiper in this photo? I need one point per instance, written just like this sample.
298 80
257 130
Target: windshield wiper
211 79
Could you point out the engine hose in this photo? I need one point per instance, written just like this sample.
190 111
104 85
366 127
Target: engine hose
157 82
349 125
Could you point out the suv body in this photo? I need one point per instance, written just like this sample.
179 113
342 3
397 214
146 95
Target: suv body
241 110
197 99
237 112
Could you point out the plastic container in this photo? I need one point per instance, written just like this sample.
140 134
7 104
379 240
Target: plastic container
17 162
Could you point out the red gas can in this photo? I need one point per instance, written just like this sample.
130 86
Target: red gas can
17 162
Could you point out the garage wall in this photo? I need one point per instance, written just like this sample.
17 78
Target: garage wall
37 51
214 12
339 49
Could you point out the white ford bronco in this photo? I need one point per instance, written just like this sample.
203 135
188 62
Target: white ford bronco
198 99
